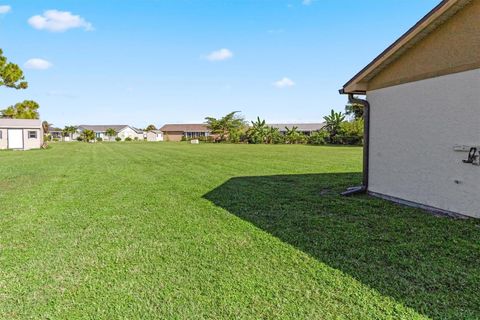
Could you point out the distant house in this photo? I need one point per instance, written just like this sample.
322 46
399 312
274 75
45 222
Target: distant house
55 133
422 112
20 134
154 135
123 131
305 128
175 132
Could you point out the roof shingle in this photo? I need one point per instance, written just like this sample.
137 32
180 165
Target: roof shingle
185 128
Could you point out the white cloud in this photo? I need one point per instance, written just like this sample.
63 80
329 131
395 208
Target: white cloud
59 21
284 83
38 64
219 55
307 2
5 9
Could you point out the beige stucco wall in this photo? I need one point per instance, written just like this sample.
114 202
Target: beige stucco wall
173 136
27 143
30 143
153 136
414 128
452 47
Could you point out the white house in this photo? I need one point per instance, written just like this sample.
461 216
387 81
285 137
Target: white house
423 113
21 134
154 135
122 131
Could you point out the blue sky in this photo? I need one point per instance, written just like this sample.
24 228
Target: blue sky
164 61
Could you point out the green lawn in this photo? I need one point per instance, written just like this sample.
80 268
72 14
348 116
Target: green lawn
178 231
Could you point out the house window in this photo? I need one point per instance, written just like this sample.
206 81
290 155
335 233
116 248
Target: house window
1 134
32 134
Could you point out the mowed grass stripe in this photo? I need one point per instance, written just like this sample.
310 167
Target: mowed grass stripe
133 230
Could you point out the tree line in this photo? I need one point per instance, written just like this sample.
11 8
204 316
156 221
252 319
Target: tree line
230 128
338 129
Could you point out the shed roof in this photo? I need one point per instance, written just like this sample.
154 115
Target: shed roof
185 128
20 123
429 23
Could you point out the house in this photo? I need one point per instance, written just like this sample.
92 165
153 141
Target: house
422 113
154 135
21 134
305 128
122 132
175 132
55 133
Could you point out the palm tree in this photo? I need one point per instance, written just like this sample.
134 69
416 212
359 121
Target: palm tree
333 122
291 134
294 136
110 132
46 127
88 135
150 127
273 135
69 131
259 131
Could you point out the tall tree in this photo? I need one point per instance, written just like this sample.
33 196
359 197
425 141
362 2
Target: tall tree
46 127
226 127
11 75
333 123
27 109
355 110
150 127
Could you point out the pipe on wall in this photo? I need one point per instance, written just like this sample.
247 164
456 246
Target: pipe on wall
366 145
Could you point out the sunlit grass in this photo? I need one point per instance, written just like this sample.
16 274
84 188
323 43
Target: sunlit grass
165 230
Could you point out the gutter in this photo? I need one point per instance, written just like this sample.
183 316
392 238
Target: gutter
366 145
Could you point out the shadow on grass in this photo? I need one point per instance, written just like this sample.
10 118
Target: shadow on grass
428 263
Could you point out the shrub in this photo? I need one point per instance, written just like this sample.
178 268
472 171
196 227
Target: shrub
118 139
235 136
79 139
318 138
55 139
128 139
351 132
297 138
183 138
136 138
99 139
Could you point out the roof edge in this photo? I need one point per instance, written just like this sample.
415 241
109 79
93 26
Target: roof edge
355 85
